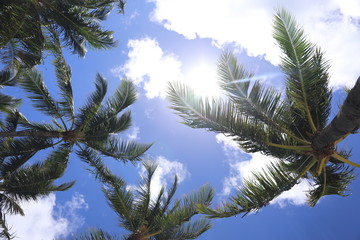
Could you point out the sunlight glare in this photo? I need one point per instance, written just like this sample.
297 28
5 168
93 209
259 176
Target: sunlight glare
203 80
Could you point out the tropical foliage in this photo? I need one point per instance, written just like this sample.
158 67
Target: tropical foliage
94 234
25 27
20 181
149 215
289 127
94 127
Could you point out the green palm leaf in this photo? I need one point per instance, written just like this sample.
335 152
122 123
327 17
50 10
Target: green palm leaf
36 180
32 82
84 118
120 149
256 192
94 234
306 71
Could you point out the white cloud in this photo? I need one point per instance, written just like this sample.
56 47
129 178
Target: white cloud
242 166
150 67
333 25
43 220
165 173
133 135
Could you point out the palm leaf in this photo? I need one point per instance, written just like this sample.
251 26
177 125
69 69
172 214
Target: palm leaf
334 180
7 103
13 147
9 204
99 170
36 180
94 234
256 193
33 83
84 118
63 75
120 149
306 71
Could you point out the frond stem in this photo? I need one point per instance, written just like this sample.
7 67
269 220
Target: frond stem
341 158
290 147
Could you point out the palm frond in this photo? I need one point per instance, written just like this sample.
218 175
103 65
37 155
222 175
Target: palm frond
102 125
94 234
120 149
99 170
124 96
170 194
256 192
8 103
334 180
84 118
307 77
8 77
143 193
12 121
32 82
63 75
9 204
190 230
30 182
121 201
13 147
11 164
5 232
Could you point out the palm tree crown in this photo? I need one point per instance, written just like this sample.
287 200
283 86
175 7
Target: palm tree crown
25 26
286 127
149 217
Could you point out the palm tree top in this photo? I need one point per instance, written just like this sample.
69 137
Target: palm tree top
148 215
291 127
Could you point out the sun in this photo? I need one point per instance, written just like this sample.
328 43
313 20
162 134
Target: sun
202 78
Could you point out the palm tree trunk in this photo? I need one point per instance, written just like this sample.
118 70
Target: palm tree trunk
346 121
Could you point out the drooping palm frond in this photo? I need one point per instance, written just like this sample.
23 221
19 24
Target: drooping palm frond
12 147
255 193
124 150
5 231
100 171
334 180
30 182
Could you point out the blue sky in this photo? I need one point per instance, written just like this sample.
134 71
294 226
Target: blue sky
180 40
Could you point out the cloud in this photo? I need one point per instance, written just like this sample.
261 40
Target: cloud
242 166
334 25
44 220
150 67
165 173
133 135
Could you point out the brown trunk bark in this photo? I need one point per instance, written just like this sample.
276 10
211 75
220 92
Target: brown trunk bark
346 121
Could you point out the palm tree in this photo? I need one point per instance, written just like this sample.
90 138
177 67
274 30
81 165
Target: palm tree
292 128
22 182
94 234
146 216
25 26
95 126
